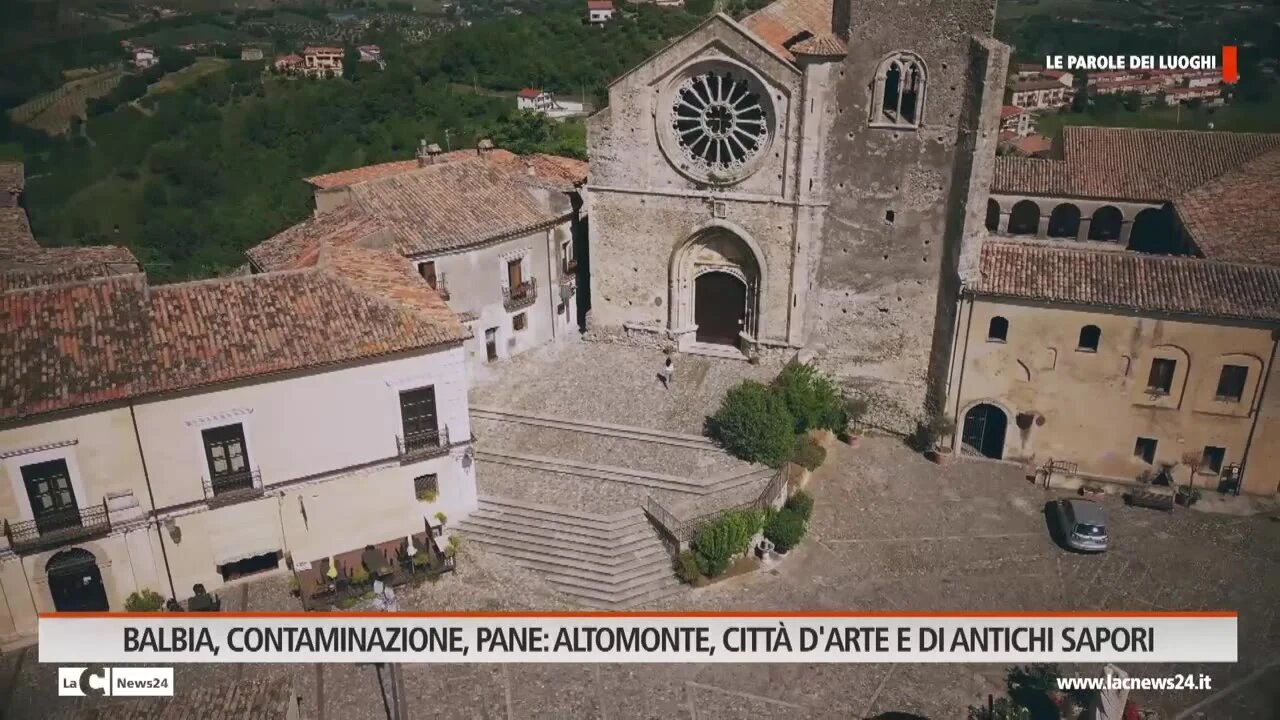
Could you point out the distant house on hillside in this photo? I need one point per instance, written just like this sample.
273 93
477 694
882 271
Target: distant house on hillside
288 63
251 54
370 53
144 58
599 12
1015 120
1034 94
534 99
319 61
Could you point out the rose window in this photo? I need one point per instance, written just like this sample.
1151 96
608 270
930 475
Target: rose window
719 122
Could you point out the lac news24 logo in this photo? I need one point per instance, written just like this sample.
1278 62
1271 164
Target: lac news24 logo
98 681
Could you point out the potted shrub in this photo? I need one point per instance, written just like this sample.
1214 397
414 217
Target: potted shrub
442 519
933 431
1187 495
809 453
145 600
359 576
785 529
854 409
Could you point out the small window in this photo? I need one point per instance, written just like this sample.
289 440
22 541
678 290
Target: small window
520 322
426 487
1145 449
1231 383
998 330
899 91
428 272
250 566
1211 459
1089 337
1160 381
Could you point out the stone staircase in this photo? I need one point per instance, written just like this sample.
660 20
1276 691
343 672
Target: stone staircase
613 473
605 561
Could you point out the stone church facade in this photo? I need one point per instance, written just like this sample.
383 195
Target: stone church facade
803 180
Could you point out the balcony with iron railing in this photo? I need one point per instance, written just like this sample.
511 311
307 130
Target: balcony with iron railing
61 527
570 266
233 487
520 296
423 444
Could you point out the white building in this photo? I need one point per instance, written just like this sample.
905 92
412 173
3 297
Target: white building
144 58
543 102
323 61
155 437
599 12
496 234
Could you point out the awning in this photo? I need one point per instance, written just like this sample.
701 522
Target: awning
236 541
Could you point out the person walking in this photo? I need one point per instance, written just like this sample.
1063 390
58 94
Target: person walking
668 371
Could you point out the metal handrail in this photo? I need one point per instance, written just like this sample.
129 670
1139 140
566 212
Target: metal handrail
58 528
244 482
424 442
686 530
521 295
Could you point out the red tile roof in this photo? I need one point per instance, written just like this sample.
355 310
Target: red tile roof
599 4
427 212
1236 216
1130 282
1131 164
1008 111
299 246
823 45
779 22
322 50
109 339
530 93
1033 85
1034 144
25 263
12 177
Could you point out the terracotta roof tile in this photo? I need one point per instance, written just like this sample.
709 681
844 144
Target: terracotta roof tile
1132 164
25 263
1236 216
427 212
1028 85
1130 282
245 700
73 345
344 178
12 177
779 22
824 45
299 246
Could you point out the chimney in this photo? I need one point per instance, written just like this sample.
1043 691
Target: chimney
423 154
484 146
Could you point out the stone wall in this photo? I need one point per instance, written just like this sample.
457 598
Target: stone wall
898 203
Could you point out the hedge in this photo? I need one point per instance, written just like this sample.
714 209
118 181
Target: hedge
802 504
809 454
727 536
812 398
753 424
785 528
145 600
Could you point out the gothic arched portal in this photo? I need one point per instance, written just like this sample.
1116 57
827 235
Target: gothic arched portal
716 284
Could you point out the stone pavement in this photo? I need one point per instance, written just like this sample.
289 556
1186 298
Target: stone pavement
890 531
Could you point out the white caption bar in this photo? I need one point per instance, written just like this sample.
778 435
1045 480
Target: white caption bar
186 638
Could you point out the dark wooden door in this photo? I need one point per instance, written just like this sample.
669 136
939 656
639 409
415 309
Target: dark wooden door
75 582
719 307
491 344
418 413
228 457
53 502
984 430
515 277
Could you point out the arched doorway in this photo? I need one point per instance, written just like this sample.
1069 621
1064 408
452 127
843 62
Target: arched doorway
1064 221
719 307
1106 224
993 215
1024 219
1154 232
717 280
76 582
984 430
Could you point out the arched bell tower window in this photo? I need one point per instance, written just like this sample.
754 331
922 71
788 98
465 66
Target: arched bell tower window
898 98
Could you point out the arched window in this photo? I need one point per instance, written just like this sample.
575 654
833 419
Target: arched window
898 99
1106 223
1064 221
998 330
1024 219
993 215
1089 337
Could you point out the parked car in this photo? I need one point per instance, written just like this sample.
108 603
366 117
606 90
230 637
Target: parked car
1084 526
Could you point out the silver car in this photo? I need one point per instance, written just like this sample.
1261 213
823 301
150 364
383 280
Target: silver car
1084 527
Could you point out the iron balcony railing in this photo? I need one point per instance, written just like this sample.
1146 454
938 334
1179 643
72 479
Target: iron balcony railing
58 528
441 285
570 266
424 443
520 296
233 487
682 531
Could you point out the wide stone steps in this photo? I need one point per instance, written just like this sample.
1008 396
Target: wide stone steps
628 432
602 561
657 481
